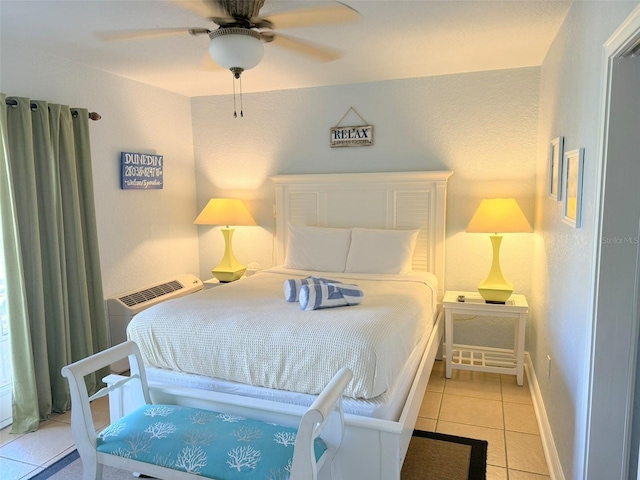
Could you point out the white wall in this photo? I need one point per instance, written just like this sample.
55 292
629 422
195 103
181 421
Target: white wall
144 236
481 125
563 275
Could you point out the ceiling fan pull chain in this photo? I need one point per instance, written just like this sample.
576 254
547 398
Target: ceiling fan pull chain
235 115
241 114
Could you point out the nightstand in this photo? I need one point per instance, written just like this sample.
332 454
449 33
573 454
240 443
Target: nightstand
485 359
214 282
211 283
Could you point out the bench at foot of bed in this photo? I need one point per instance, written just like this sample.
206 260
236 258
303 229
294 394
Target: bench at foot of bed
182 442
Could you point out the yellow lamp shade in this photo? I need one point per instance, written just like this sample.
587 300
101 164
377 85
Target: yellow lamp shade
226 211
499 215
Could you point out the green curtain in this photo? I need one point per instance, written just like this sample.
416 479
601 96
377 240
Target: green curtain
54 287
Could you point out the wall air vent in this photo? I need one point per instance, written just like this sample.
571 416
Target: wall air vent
150 293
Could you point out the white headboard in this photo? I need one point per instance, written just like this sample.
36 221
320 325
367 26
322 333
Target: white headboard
392 200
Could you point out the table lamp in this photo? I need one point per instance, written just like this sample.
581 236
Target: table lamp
226 211
497 216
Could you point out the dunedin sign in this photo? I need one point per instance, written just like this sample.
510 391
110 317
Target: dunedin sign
140 171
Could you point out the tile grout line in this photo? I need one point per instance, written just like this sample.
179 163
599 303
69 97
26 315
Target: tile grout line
504 431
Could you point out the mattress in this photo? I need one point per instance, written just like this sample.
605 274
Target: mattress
387 406
245 332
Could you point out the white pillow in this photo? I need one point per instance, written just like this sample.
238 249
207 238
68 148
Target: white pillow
381 251
318 248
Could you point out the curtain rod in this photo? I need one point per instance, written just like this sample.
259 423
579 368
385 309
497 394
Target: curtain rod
92 115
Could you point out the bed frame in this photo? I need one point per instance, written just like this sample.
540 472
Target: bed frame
372 449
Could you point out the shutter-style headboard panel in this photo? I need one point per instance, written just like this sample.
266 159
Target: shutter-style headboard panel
393 200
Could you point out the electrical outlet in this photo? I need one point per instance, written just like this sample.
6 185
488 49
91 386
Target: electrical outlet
548 366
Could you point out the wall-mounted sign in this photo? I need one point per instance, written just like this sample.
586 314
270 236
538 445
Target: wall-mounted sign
141 171
353 136
360 136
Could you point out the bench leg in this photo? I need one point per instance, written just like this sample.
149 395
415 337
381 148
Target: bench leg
91 471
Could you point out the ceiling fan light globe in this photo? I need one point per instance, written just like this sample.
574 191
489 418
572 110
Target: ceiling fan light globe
236 48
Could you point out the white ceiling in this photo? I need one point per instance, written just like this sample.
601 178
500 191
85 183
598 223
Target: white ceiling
394 39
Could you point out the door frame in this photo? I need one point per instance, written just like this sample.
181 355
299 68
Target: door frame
603 368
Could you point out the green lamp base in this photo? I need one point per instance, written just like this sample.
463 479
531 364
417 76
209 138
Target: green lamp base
494 295
229 269
495 288
228 276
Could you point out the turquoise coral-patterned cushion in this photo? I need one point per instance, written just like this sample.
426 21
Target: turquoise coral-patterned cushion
203 442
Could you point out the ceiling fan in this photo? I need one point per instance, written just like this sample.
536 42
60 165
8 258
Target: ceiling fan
236 40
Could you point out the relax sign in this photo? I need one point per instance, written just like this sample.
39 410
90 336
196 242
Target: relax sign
359 136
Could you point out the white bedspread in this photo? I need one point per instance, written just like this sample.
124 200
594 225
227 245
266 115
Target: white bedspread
246 332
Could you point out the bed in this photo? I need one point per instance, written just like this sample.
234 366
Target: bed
389 340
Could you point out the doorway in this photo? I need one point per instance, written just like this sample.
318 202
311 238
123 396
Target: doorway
614 354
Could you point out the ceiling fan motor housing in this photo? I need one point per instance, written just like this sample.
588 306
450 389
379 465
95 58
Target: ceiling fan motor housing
242 8
236 48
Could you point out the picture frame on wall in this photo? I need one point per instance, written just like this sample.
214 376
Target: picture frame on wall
572 186
556 152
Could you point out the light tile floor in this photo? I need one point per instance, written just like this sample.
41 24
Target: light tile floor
471 404
23 456
490 407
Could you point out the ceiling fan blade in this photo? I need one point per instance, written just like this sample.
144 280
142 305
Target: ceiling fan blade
306 17
148 33
210 9
318 52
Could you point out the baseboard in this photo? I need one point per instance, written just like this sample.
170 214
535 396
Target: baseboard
548 445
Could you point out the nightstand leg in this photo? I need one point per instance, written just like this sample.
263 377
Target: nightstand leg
520 328
448 337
